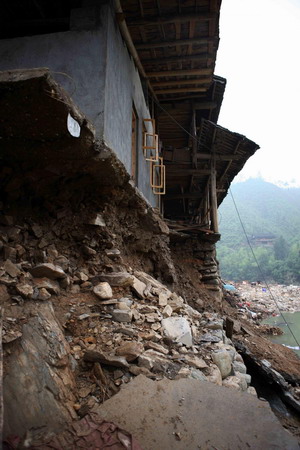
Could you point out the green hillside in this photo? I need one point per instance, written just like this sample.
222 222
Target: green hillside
271 218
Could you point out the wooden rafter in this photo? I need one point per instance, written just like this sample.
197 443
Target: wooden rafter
201 40
170 19
179 73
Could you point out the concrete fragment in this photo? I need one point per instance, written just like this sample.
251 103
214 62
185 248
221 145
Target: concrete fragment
11 268
241 423
224 362
178 330
121 279
122 315
103 291
47 270
130 350
105 358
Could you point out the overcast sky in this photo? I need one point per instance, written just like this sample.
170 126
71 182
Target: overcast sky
259 55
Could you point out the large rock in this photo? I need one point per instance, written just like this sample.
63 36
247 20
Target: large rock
48 270
130 350
178 330
38 382
224 362
105 358
122 315
120 279
103 291
138 287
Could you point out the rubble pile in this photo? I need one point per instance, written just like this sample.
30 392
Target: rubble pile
260 299
78 313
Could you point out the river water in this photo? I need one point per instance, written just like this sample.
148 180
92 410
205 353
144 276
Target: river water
293 319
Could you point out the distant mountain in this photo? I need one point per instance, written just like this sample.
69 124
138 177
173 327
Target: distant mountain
271 218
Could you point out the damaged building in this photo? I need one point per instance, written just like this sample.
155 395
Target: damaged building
113 166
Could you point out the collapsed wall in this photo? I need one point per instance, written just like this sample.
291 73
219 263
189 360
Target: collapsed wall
69 219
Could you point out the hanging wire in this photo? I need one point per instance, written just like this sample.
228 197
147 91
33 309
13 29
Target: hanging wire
260 269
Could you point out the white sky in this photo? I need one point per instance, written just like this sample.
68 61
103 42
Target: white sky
259 55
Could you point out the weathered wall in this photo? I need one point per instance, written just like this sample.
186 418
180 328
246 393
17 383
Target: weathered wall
123 92
97 71
80 54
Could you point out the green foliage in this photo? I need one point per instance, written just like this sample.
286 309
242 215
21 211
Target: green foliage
265 209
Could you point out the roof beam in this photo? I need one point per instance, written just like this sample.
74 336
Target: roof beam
201 40
201 80
204 105
184 172
179 73
190 195
158 20
177 90
218 156
201 57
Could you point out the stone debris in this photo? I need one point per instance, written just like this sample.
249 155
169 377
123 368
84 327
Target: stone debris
130 350
118 323
47 270
103 291
121 315
178 329
120 279
223 360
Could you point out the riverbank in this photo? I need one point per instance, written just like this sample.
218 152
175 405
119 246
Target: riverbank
264 299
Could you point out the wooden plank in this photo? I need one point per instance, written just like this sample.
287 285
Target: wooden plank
201 57
172 171
158 20
191 195
218 156
204 105
179 73
213 201
177 90
203 40
181 82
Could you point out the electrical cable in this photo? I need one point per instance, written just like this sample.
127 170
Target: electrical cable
260 269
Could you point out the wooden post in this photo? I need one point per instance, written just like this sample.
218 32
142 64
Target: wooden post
213 199
194 140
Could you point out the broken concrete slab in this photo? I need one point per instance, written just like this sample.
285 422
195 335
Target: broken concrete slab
184 414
